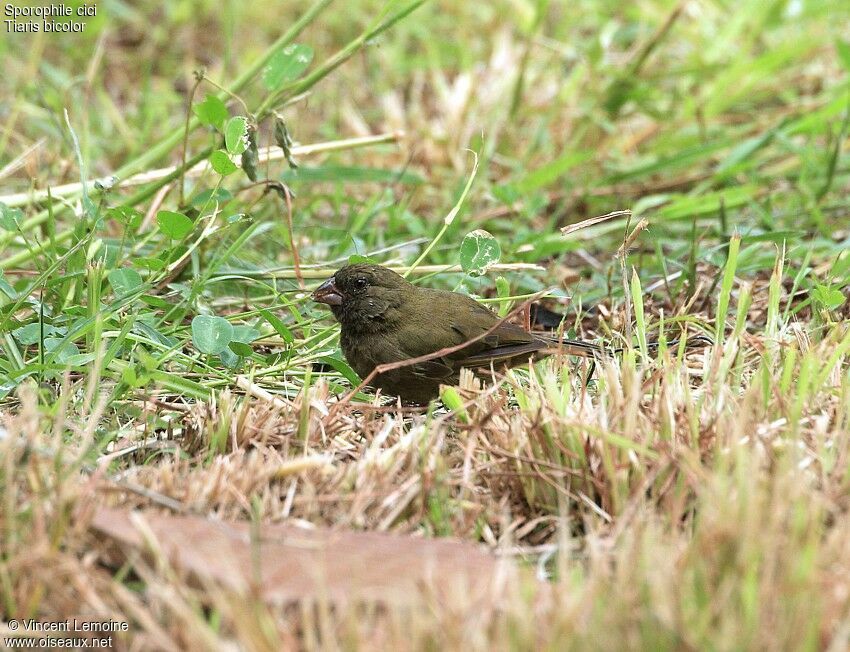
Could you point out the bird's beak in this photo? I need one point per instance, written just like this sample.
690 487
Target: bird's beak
328 293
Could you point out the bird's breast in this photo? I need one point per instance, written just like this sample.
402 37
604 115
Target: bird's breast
364 352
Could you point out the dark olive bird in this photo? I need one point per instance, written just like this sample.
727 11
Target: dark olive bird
386 319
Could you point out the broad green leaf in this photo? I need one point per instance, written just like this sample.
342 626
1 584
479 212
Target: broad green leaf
124 280
31 333
221 163
211 111
229 359
174 225
829 297
7 289
219 195
129 377
211 334
79 359
126 215
245 334
61 352
478 251
150 262
286 65
6 385
10 218
149 362
236 135
240 348
241 340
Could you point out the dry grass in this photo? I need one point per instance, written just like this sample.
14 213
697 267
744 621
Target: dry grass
682 504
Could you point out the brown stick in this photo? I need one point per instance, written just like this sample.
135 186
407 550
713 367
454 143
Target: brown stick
296 259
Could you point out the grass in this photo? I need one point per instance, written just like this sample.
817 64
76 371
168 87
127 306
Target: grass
165 356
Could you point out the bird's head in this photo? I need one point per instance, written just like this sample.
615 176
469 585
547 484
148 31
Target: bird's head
361 295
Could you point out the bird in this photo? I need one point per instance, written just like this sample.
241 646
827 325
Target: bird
386 319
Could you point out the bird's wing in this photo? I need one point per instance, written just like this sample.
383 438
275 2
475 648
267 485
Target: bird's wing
501 343
448 320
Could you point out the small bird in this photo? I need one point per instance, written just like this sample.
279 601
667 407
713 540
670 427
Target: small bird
385 319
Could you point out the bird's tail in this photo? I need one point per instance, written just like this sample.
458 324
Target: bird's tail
694 342
575 347
588 350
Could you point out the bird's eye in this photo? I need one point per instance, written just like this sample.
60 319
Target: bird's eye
360 282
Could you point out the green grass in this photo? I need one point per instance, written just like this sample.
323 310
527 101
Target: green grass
681 499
